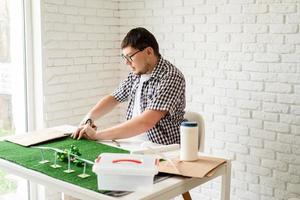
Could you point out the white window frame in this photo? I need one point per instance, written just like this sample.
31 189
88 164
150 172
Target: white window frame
34 77
28 23
34 64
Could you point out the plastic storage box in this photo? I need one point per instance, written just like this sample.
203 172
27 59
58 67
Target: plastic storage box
125 172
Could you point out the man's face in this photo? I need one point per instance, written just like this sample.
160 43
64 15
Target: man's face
136 60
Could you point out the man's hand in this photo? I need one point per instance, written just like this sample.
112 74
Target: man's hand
85 131
88 120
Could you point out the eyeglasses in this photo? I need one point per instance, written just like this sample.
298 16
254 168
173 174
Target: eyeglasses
129 57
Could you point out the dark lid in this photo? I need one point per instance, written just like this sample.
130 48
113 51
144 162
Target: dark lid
189 124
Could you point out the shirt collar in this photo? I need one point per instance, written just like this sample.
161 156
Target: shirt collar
158 69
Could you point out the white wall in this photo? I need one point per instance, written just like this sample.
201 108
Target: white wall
81 52
241 63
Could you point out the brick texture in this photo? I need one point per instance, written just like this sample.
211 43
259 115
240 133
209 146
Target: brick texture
241 62
80 41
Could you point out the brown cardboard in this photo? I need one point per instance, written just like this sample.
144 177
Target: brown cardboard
36 137
199 168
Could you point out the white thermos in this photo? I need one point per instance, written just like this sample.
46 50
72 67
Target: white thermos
189 141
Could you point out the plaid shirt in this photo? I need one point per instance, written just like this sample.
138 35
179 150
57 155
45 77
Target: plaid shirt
165 91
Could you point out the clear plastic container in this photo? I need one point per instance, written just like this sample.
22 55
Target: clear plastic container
125 172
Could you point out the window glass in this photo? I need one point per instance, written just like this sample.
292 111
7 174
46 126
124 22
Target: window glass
12 88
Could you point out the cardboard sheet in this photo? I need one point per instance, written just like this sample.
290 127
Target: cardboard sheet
36 137
199 168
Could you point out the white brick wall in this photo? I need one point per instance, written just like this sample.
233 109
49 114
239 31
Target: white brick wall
81 57
241 63
240 59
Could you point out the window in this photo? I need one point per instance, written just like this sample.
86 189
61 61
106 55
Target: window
12 88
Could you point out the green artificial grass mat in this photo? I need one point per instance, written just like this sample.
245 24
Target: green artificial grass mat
30 157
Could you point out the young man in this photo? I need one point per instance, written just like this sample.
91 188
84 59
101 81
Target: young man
155 90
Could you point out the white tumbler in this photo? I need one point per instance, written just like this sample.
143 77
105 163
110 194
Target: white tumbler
189 141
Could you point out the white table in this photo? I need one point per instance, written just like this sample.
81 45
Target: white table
163 190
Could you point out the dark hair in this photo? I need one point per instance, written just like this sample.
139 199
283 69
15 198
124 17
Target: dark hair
140 38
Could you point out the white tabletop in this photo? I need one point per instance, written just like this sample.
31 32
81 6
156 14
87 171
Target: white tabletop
165 189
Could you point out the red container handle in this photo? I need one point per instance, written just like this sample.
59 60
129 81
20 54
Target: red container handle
127 160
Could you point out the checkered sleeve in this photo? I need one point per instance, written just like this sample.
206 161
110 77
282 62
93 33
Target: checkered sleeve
122 92
168 93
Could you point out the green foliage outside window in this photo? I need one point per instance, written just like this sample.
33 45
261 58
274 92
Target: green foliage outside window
4 132
6 185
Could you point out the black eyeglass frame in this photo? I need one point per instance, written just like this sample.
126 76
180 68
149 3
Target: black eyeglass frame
129 57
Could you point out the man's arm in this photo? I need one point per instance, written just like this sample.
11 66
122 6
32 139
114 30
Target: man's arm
105 105
130 128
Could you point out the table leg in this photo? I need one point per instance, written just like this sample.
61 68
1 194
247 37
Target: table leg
226 178
186 196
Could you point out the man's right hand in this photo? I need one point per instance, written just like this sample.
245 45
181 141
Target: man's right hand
81 127
85 131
